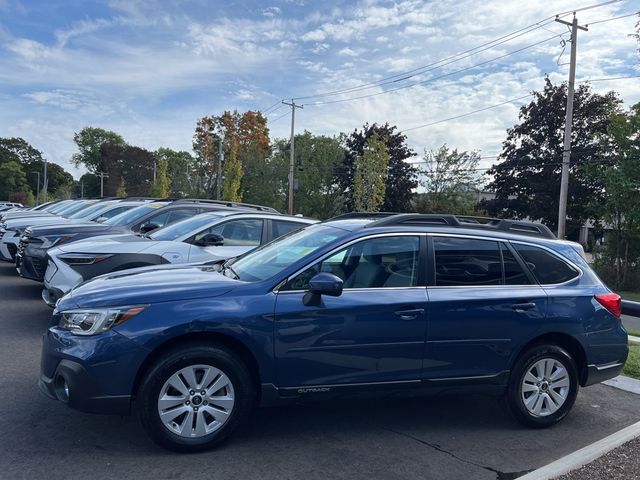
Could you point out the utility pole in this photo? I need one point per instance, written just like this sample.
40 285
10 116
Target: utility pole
566 150
155 164
292 155
45 183
37 189
81 188
220 160
102 177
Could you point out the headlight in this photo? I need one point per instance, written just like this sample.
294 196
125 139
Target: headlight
83 258
94 321
53 240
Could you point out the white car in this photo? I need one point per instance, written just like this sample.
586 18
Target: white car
206 237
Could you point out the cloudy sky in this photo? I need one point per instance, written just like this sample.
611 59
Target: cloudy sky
148 69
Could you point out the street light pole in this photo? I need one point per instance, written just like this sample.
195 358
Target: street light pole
37 189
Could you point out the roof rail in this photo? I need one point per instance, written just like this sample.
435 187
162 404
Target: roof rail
482 223
227 204
354 215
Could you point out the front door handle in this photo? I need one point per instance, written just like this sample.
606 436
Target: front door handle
523 307
411 314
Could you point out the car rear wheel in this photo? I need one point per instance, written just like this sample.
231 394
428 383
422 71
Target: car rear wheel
194 397
543 386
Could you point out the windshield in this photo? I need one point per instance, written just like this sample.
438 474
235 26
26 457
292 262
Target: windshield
183 227
59 206
279 254
131 216
88 212
74 207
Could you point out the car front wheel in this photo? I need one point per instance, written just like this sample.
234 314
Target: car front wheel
194 397
543 386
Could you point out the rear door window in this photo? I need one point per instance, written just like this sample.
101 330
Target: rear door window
467 262
280 228
547 268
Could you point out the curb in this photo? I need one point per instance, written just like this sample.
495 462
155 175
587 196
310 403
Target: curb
585 455
634 340
625 383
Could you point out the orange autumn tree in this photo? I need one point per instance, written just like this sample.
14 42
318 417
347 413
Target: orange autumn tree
245 138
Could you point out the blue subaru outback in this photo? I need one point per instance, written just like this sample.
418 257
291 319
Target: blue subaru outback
357 303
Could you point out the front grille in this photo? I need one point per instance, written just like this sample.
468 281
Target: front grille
39 266
13 249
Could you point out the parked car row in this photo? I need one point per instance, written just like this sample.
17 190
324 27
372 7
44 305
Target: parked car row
191 313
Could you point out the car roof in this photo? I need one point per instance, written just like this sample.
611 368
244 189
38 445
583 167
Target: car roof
245 213
445 223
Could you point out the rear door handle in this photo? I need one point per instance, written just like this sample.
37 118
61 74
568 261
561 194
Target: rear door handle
411 314
523 307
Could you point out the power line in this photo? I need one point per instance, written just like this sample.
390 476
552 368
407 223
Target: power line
613 18
264 112
434 65
582 9
281 116
438 77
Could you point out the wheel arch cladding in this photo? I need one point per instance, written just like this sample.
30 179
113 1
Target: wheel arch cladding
200 338
564 341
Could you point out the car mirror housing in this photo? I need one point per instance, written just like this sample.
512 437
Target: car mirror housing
149 227
326 284
211 240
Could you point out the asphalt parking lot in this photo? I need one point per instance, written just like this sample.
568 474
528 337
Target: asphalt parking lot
464 437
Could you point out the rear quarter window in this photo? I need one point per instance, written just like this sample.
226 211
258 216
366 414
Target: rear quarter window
547 268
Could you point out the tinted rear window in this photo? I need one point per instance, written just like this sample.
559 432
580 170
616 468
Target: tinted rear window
546 267
465 261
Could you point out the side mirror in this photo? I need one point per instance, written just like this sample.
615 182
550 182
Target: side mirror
322 284
100 219
326 284
149 227
211 240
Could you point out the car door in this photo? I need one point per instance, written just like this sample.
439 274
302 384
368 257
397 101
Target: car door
240 236
373 332
482 303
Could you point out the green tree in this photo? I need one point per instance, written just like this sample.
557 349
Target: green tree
12 179
369 179
401 177
180 170
619 206
121 192
160 187
89 140
526 180
133 164
90 185
451 180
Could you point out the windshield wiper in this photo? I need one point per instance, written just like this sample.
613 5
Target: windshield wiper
226 266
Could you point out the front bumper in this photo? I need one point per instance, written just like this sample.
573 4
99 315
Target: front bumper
72 384
60 278
93 374
32 265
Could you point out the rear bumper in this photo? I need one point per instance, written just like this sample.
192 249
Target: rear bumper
600 373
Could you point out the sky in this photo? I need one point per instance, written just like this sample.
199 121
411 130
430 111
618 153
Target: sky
148 69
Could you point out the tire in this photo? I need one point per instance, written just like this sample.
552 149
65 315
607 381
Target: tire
539 398
204 391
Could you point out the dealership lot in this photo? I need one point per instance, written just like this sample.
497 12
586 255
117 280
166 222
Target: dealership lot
445 437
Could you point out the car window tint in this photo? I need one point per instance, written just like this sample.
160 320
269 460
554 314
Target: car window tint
113 212
382 262
179 214
545 267
281 228
238 233
513 272
466 261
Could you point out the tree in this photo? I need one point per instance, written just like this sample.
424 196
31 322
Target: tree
160 187
370 175
89 141
619 206
451 179
20 151
401 176
12 179
121 192
90 185
527 180
245 138
317 193
132 164
180 170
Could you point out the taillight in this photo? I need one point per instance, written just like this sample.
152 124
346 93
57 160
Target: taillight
610 301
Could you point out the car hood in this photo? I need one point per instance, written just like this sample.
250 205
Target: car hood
72 228
131 287
22 223
125 243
